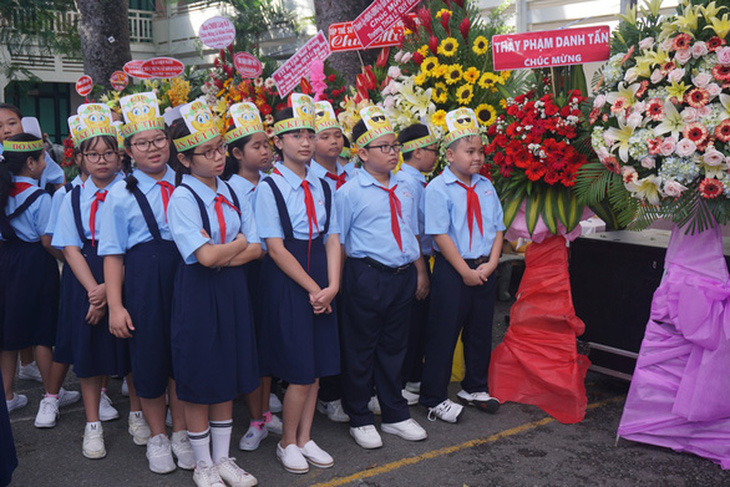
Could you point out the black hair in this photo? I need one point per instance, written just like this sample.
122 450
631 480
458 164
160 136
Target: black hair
346 141
12 164
12 108
412 132
284 114
456 143
178 130
232 165
127 161
109 140
358 130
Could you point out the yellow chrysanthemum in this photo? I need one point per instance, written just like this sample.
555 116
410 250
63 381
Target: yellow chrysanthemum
429 64
486 114
471 75
489 80
464 94
420 79
440 92
505 75
480 46
178 92
453 74
423 50
440 71
503 103
439 118
448 47
441 12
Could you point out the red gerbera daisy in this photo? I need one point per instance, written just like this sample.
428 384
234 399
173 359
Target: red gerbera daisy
682 41
612 165
721 72
722 131
654 145
655 109
642 89
710 188
697 97
696 132
715 43
535 172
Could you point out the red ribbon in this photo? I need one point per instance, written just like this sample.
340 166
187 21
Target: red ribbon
395 212
473 209
219 200
166 189
311 216
99 196
341 179
17 188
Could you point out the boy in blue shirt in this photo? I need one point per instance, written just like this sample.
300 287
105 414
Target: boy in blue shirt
463 213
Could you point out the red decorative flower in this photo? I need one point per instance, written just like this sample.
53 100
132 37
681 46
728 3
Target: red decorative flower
696 132
722 131
445 16
611 164
655 109
654 145
464 27
710 188
721 72
715 43
433 45
682 41
424 15
642 89
697 97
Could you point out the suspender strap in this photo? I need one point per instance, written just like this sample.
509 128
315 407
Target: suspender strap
68 187
236 202
149 216
76 206
327 204
5 227
201 206
281 208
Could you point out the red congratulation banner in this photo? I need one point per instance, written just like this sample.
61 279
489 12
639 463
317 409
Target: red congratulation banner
290 74
246 64
342 37
163 67
551 48
379 17
84 85
134 69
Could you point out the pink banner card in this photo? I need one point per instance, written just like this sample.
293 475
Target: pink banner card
290 74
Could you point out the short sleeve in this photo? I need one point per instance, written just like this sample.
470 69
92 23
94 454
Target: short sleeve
183 216
343 212
248 222
436 213
498 212
114 234
42 213
53 172
65 233
56 202
266 213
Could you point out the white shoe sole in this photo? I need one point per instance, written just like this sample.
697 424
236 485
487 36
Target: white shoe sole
46 425
289 469
318 464
386 428
94 455
367 446
243 447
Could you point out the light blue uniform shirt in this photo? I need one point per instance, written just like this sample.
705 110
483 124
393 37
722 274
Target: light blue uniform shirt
245 188
31 224
65 233
319 171
290 186
186 222
123 225
446 214
417 182
56 202
52 173
364 211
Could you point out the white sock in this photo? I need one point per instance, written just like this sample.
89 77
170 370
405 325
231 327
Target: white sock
201 446
220 432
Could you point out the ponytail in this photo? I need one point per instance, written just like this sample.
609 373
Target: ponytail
178 130
12 163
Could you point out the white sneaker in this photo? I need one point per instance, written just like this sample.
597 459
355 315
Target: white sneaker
253 438
138 428
183 450
66 398
159 454
275 405
30 372
333 410
18 401
447 411
207 476
408 429
234 475
411 398
125 388
93 446
374 406
480 400
414 387
366 436
292 459
316 456
47 413
107 412
274 425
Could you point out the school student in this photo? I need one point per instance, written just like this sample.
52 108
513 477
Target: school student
96 352
463 213
383 273
420 153
249 151
213 340
300 278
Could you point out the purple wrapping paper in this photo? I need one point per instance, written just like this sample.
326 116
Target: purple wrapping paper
680 393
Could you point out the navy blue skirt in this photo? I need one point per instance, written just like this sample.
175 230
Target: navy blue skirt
213 339
149 277
297 345
63 351
95 350
28 295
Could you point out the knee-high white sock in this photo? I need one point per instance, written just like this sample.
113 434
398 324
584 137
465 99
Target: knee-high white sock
201 446
220 433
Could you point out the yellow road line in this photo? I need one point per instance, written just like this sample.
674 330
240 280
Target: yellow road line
404 462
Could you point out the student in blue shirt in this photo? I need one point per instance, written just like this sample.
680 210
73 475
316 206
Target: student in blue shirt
300 278
420 153
29 284
328 146
463 213
213 339
248 152
140 262
383 273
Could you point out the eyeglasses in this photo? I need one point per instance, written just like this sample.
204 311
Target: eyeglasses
301 136
210 153
145 145
386 148
93 157
435 151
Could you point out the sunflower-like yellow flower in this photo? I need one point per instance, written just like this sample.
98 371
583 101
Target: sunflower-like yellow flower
439 118
453 74
486 114
429 65
441 12
440 71
464 94
440 92
489 80
448 47
471 75
480 46
505 75
420 79
178 92
423 50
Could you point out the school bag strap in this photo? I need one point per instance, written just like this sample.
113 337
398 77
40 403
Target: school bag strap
76 206
327 204
236 202
281 208
68 187
201 206
147 213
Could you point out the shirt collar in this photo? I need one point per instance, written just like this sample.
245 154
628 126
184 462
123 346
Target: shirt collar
24 179
366 179
248 185
450 177
204 192
291 178
89 189
147 182
412 171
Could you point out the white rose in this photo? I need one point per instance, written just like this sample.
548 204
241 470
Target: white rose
656 76
673 188
701 80
648 163
676 75
713 157
631 75
685 148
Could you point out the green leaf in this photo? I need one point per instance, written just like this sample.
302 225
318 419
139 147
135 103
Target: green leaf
511 204
562 203
575 211
550 208
533 208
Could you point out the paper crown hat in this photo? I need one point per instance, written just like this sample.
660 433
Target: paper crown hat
421 142
302 107
201 124
461 122
141 111
93 120
324 117
246 121
376 124
30 126
119 127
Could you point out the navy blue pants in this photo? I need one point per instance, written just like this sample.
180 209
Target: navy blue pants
376 320
456 307
413 363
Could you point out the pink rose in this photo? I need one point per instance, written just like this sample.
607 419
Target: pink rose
406 57
689 115
713 157
648 163
603 154
629 174
646 43
634 119
656 76
668 44
683 55
699 49
599 101
702 80
667 147
685 148
673 188
676 75
639 107
704 111
608 139
713 89
394 72
723 55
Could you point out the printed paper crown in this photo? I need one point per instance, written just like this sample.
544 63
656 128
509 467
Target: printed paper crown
376 123
324 117
119 128
199 120
94 119
302 107
246 120
421 142
141 111
461 122
22 146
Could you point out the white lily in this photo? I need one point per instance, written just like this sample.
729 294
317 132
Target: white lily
646 189
725 100
628 92
621 136
672 122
